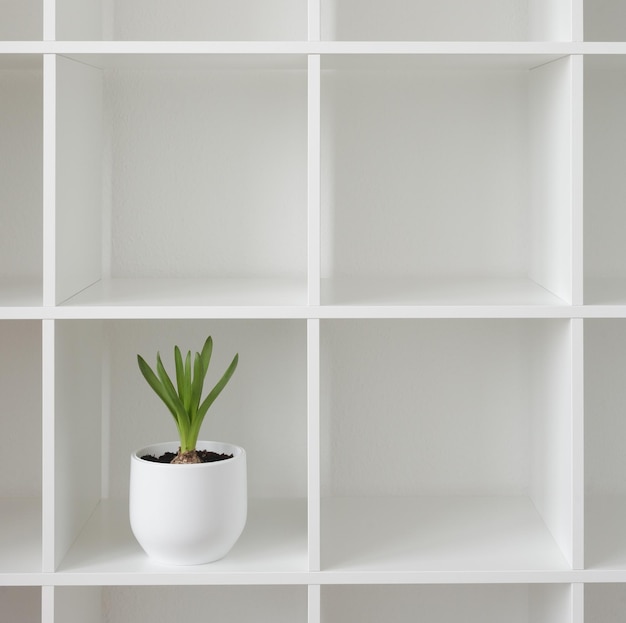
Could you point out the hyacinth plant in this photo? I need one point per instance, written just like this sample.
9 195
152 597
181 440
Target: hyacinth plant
184 400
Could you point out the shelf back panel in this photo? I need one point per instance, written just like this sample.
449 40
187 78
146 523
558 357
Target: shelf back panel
78 215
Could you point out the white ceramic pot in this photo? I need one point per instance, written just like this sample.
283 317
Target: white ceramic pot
188 514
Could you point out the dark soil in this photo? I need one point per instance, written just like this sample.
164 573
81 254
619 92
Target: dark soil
206 456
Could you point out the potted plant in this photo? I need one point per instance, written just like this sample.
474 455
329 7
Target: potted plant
188 498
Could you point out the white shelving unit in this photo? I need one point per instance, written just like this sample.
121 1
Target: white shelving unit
405 217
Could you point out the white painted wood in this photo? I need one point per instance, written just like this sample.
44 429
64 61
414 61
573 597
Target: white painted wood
49 20
551 450
192 292
313 440
577 178
48 454
82 604
551 176
551 603
466 421
273 542
605 463
604 185
604 20
20 536
20 181
314 603
20 459
381 534
605 493
388 208
474 604
47 604
604 602
578 603
77 413
283 604
578 444
578 19
314 17
78 20
184 169
216 206
21 603
20 413
551 20
314 179
21 20
201 20
49 178
451 291
446 20
78 177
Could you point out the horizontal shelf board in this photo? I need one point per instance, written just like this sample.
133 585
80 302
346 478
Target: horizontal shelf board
20 536
436 534
390 61
605 536
230 60
274 542
192 293
539 48
445 291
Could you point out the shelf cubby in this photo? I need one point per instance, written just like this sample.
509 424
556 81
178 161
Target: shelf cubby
101 397
194 210
435 459
604 603
605 20
604 184
21 20
432 194
240 604
197 20
605 428
20 460
21 192
447 604
446 20
21 603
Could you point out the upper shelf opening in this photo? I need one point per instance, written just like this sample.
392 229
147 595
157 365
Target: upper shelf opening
446 20
192 20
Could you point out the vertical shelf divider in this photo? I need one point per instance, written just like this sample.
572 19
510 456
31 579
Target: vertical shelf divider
314 179
578 445
577 179
314 601
313 441
314 20
47 604
578 602
48 447
49 20
578 20
49 179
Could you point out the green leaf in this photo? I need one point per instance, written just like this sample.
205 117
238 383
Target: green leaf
180 371
182 415
183 401
186 395
214 393
158 388
196 388
205 355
